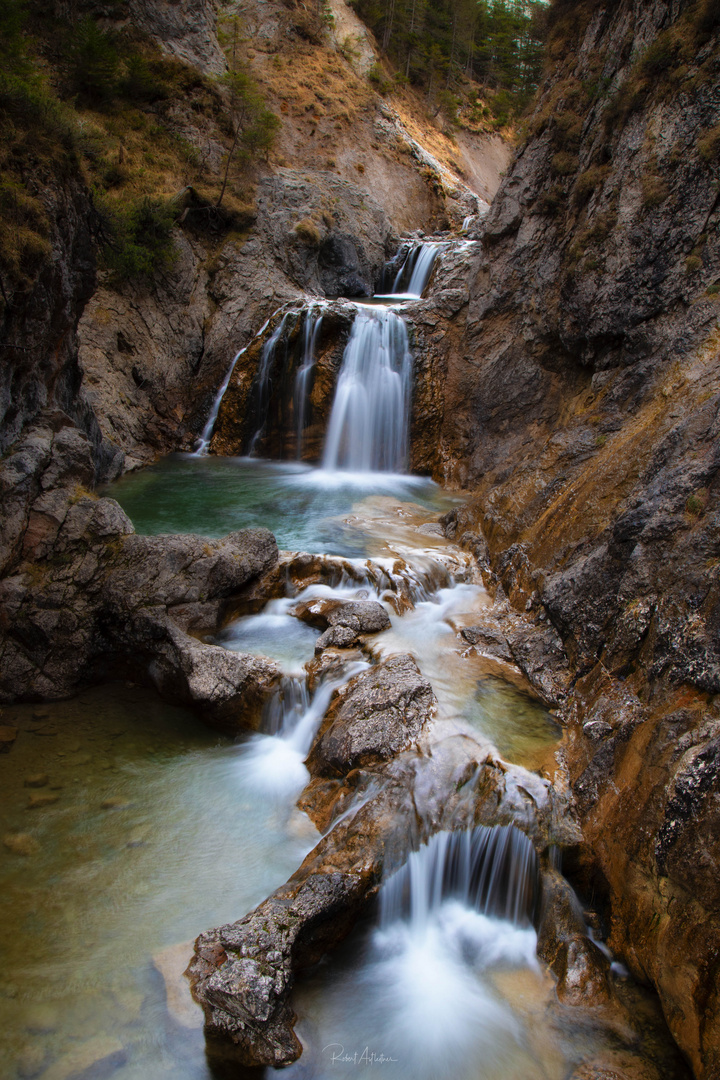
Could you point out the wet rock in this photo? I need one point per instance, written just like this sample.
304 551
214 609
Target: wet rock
379 713
583 973
343 622
21 844
37 780
8 735
597 729
618 1065
488 640
97 1058
111 601
228 688
338 637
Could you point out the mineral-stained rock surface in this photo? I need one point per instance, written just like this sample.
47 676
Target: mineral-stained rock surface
343 622
580 402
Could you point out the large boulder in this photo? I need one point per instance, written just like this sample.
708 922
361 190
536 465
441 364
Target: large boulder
380 713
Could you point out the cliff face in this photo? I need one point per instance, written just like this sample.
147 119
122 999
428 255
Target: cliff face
581 406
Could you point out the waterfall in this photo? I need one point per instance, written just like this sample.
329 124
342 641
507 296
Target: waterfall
303 379
368 428
207 431
467 222
262 383
491 870
273 763
416 270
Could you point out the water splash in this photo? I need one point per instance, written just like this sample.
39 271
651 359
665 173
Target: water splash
273 764
368 428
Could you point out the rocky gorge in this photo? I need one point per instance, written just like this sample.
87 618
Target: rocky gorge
562 369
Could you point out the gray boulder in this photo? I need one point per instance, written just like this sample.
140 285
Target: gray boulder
380 713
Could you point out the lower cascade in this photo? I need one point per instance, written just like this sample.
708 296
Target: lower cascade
368 429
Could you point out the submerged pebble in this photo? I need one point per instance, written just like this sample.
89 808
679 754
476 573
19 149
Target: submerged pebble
21 844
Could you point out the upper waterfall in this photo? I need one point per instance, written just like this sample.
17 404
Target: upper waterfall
368 428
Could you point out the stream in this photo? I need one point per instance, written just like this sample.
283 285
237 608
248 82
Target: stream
135 828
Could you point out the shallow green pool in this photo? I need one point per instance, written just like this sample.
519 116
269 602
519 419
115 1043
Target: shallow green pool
301 505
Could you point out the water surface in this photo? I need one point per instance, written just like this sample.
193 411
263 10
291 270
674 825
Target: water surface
300 505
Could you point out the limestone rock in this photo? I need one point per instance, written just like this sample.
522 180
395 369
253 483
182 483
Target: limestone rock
381 712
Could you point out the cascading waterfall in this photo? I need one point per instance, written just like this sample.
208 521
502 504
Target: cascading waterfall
491 870
303 379
262 383
416 270
368 428
467 222
207 431
273 763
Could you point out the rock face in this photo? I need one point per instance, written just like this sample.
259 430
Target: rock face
381 712
580 405
83 597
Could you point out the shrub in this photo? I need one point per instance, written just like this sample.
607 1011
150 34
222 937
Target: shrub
709 145
654 191
697 502
587 182
693 263
307 231
564 164
138 237
550 202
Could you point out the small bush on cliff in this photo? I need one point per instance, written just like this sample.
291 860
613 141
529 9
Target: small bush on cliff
654 191
709 145
588 181
138 239
564 164
307 231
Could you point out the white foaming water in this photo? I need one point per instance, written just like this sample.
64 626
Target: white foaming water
273 765
368 428
467 222
422 1002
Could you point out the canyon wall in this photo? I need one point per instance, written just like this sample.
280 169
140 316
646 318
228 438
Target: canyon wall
581 408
